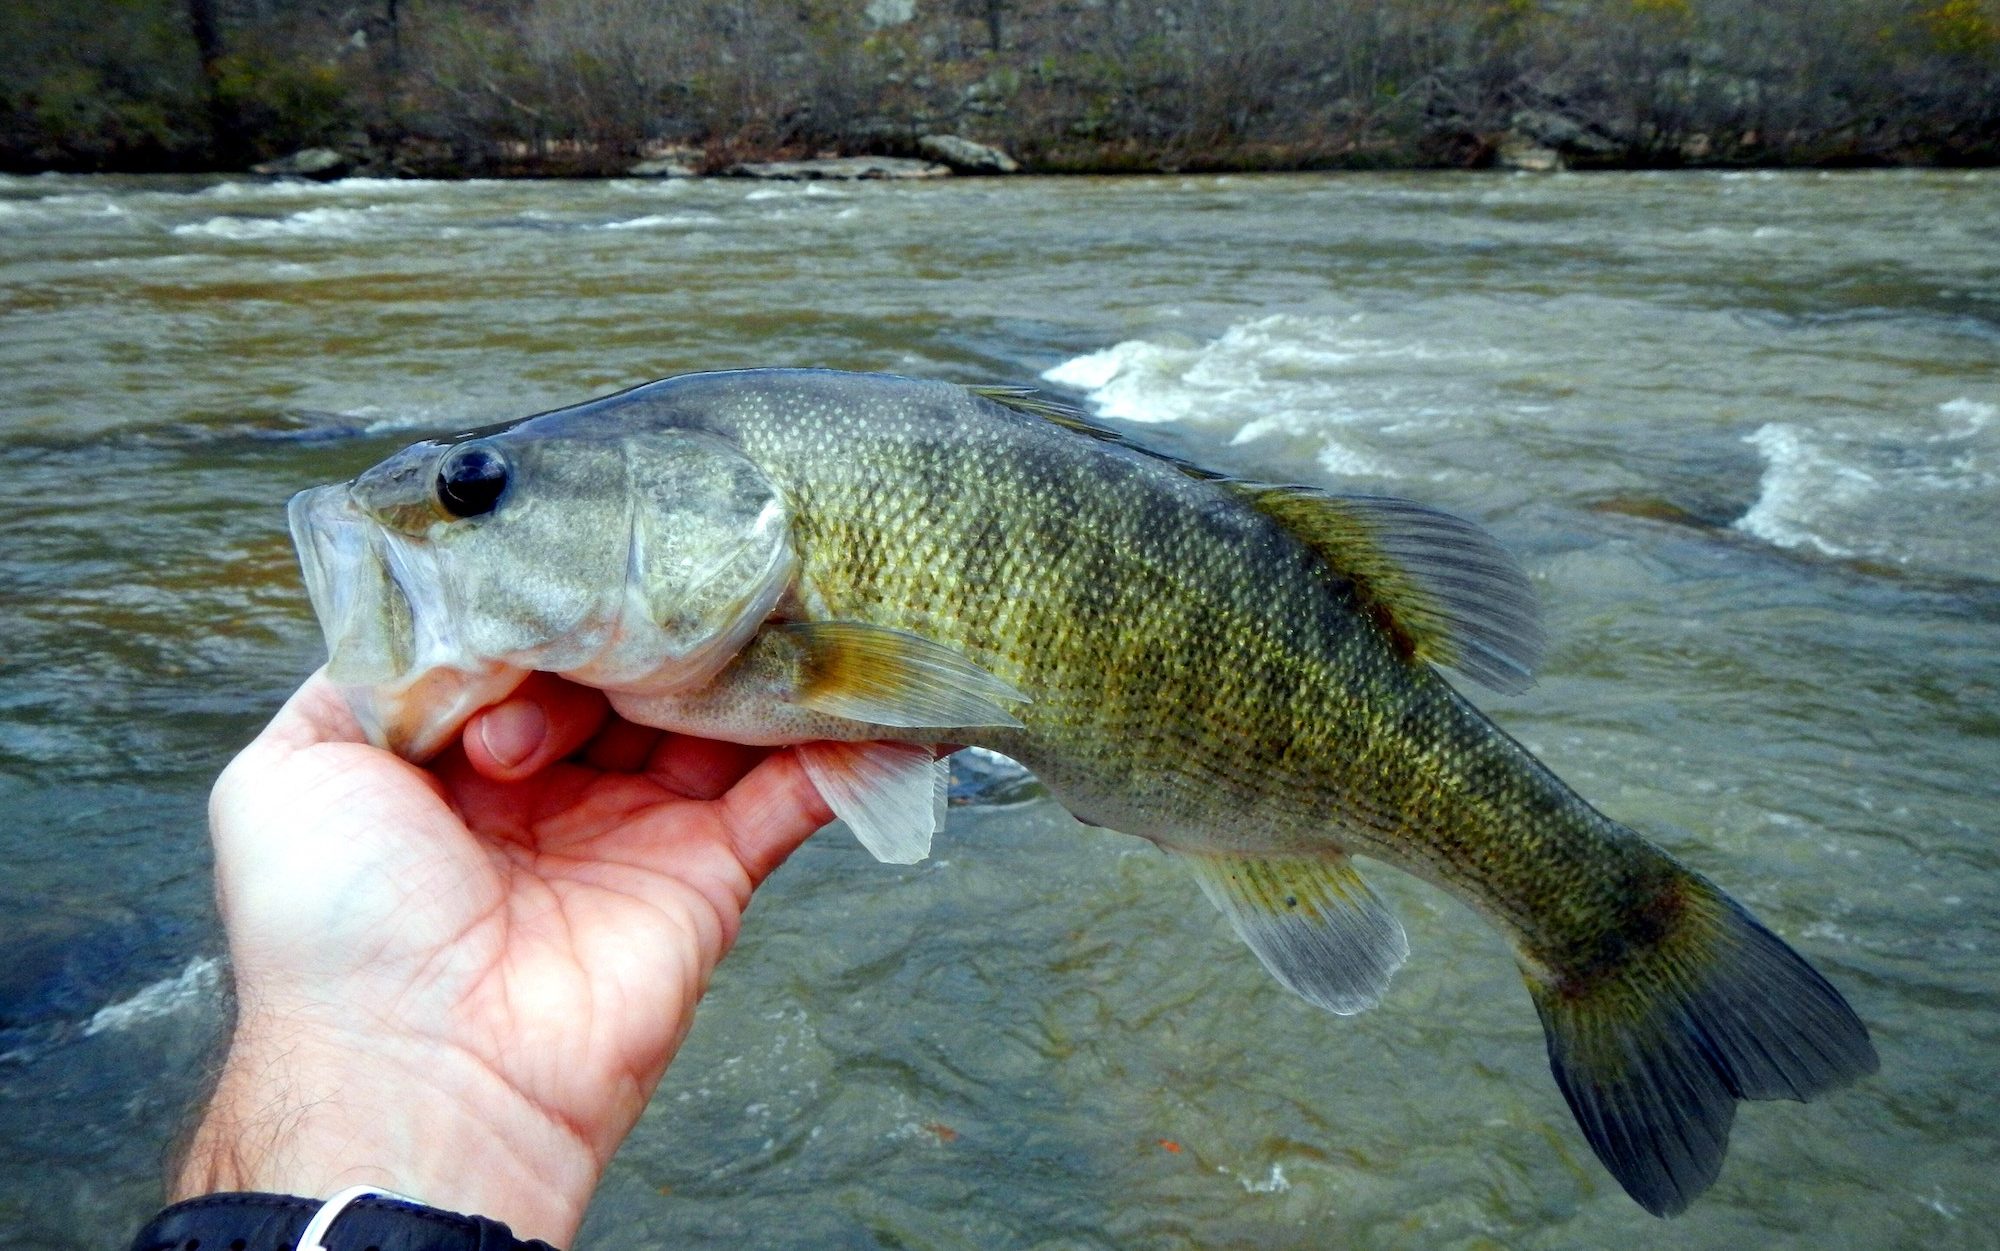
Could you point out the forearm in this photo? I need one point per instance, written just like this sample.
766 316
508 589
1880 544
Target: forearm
298 1112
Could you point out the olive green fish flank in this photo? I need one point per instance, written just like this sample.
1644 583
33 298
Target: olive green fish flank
1246 674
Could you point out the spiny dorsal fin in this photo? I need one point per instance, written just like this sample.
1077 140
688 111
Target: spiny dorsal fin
1447 590
1445 587
1032 403
1315 924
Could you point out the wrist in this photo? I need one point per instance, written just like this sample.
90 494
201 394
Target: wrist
307 1111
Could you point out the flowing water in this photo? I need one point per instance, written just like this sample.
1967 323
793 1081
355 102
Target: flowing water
1743 430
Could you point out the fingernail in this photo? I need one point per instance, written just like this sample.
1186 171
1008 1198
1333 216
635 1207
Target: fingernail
513 731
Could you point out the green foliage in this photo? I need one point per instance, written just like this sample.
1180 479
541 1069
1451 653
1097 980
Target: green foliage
284 103
1963 28
97 83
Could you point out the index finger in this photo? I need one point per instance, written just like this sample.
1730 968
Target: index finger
316 713
701 768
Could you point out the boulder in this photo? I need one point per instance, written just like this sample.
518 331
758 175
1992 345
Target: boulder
316 164
661 167
839 167
1517 151
966 157
1545 129
881 13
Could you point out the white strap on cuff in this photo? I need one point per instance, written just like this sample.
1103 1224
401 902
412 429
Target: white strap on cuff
330 1211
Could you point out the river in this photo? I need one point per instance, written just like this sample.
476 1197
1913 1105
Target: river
1742 429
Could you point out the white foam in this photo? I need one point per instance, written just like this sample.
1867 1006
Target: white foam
1318 381
1923 491
1272 1183
651 186
804 190
422 417
61 208
1133 380
196 983
327 223
298 189
1801 480
170 260
658 221
1976 416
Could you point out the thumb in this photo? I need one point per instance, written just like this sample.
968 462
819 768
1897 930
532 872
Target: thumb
544 720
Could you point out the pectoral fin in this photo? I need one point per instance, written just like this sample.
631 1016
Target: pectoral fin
1315 924
890 677
892 795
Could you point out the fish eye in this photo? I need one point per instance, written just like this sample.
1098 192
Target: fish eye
471 479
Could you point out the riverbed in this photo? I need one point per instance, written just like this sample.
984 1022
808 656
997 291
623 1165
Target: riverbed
1742 429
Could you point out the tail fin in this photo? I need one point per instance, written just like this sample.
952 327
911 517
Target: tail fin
1653 1053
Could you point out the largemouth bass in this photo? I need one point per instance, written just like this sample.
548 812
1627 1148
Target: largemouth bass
1245 674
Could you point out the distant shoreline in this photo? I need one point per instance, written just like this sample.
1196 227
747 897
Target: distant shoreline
592 88
791 166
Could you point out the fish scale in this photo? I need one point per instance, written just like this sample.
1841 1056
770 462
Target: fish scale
869 566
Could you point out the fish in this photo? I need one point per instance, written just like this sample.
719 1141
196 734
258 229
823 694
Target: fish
1250 675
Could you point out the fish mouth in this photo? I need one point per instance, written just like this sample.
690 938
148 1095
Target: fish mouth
390 647
365 615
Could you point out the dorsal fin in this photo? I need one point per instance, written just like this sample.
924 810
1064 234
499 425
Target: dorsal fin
1444 587
1032 403
1447 590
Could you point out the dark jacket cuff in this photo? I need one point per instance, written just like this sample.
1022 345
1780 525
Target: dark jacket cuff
261 1222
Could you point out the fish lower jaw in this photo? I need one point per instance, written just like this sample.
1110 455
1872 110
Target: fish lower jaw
418 718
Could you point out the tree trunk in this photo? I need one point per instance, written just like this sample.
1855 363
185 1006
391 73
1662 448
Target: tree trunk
225 139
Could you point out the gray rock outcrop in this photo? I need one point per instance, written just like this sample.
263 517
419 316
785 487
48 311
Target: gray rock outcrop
840 167
966 157
316 164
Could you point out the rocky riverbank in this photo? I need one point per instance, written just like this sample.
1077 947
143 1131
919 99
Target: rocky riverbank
941 157
576 88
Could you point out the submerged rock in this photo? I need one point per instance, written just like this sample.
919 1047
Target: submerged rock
966 157
662 167
317 164
839 167
988 779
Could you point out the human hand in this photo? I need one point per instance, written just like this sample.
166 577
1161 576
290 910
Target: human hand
464 982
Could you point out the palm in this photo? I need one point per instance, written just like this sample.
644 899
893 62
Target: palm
555 929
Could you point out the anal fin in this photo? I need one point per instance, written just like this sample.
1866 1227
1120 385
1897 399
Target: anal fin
892 795
1313 921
